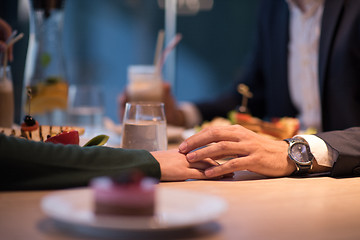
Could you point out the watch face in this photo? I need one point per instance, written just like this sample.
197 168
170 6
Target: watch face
300 153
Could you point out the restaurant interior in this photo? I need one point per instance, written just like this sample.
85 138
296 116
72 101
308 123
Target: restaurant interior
88 49
102 38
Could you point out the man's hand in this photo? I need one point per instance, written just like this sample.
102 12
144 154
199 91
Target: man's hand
174 116
250 151
175 167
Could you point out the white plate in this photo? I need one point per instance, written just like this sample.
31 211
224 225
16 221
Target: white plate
188 133
174 209
174 133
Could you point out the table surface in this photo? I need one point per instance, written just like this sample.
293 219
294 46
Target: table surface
258 208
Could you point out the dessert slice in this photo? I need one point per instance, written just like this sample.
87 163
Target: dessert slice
130 194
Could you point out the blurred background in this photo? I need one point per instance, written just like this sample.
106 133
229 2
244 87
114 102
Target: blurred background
102 38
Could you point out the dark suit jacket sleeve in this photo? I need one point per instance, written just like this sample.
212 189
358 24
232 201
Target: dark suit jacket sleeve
35 165
347 144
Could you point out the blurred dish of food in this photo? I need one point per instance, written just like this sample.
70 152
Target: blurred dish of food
278 128
174 209
129 194
40 133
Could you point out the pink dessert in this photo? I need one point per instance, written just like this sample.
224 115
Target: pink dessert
130 194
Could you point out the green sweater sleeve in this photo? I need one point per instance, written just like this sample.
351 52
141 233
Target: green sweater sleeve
29 165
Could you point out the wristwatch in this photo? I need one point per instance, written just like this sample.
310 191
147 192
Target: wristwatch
299 152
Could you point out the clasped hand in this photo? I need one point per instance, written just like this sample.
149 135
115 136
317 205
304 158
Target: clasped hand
248 150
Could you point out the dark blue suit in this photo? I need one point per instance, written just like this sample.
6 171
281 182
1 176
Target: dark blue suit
339 74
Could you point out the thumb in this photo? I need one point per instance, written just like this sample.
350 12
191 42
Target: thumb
225 168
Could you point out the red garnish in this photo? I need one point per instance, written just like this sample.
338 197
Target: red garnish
65 137
25 127
240 117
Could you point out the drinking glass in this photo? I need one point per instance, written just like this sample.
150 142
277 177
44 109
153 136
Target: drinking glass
144 84
6 98
86 106
144 126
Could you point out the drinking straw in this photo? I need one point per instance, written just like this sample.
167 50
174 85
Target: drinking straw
4 65
5 54
15 39
13 34
159 46
9 42
172 44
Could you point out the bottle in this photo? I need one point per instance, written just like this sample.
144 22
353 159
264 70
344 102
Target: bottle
6 98
45 70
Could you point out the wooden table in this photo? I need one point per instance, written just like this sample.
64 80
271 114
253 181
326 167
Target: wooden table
258 208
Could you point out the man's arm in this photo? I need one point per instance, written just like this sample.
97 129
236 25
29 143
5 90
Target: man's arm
347 144
259 154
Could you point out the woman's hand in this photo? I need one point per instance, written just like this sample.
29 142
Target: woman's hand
175 167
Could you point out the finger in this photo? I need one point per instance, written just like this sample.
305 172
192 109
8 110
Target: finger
2 46
215 151
193 173
231 166
6 29
10 53
167 88
225 157
204 164
122 99
2 51
229 175
208 163
189 173
210 135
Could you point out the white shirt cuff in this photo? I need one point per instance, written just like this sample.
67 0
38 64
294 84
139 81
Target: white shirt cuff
192 114
324 154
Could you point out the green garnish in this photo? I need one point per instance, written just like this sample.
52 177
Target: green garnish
232 117
45 59
97 141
